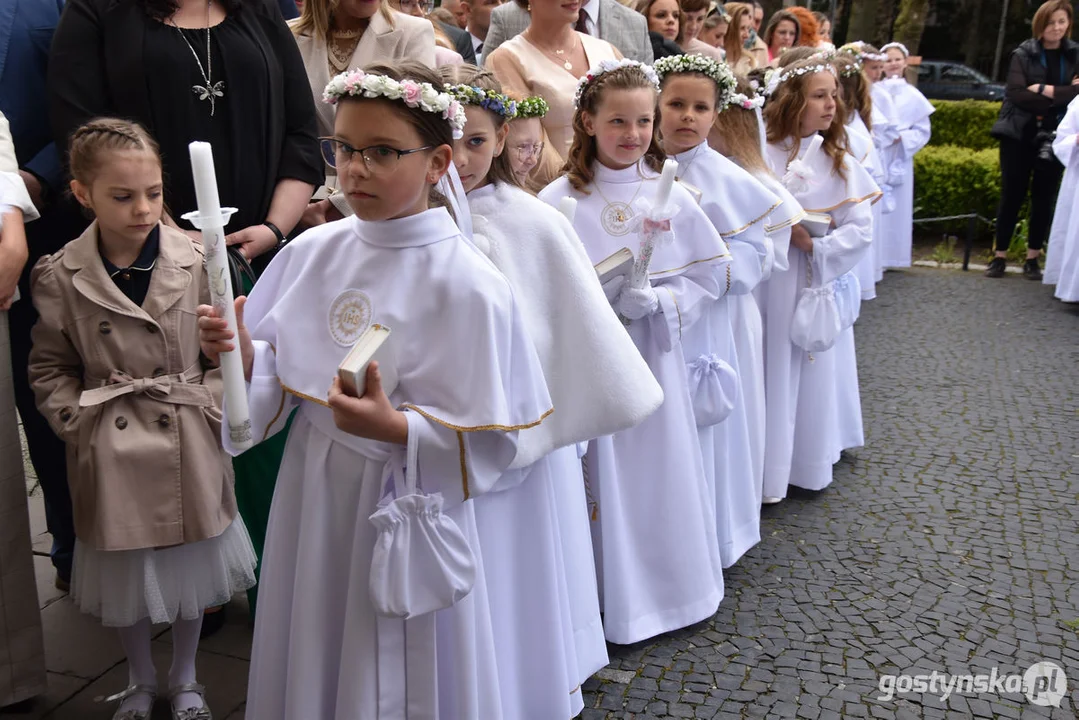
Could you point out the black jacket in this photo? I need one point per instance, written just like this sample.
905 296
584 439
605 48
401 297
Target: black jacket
1021 110
462 42
662 47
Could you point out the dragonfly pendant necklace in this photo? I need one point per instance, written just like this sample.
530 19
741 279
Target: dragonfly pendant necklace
211 90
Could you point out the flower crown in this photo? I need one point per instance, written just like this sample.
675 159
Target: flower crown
606 66
719 72
897 46
357 83
775 78
496 102
533 107
857 49
745 102
851 70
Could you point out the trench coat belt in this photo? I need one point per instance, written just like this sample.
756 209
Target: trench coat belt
179 388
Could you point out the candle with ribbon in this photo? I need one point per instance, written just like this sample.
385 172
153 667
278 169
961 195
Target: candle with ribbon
800 174
211 219
568 207
655 223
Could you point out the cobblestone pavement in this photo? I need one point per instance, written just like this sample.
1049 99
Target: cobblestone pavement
949 543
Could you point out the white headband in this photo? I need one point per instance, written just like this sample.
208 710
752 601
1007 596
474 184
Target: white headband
896 45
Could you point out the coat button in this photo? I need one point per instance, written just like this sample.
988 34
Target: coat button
105 327
65 414
151 328
121 422
163 421
158 372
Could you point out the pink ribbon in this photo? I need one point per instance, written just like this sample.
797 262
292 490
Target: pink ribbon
652 226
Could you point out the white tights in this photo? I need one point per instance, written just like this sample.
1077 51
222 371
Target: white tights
140 663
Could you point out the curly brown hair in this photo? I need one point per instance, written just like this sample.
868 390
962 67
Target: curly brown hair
582 152
783 118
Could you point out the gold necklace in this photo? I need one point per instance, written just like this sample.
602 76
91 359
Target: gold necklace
559 55
615 216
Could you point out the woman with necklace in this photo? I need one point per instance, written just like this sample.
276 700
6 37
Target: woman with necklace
546 60
223 71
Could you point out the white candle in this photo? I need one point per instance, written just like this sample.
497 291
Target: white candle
210 219
568 207
666 183
814 145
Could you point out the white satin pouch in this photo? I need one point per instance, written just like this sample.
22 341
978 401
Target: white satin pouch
713 389
848 298
422 562
816 325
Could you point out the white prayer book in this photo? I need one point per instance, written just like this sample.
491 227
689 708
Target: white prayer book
373 346
620 263
817 224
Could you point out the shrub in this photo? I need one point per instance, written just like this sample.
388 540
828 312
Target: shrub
964 123
952 180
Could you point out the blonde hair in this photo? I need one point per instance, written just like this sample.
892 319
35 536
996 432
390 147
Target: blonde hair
582 152
740 132
732 41
501 166
317 15
783 118
91 141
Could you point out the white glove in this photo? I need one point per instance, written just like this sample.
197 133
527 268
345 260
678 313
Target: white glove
636 303
612 287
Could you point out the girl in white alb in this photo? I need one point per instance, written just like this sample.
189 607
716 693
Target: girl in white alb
804 445
694 89
359 620
534 526
654 536
1062 258
911 118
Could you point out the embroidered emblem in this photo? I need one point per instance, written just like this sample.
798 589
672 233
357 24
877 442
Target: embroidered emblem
350 314
615 218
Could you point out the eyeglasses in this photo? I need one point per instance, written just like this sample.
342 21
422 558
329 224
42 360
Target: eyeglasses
527 152
379 159
424 6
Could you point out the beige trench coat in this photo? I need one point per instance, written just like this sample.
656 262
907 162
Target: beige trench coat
125 387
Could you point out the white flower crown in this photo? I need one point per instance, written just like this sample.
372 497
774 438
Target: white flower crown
857 49
775 78
606 66
896 45
746 103
719 72
357 83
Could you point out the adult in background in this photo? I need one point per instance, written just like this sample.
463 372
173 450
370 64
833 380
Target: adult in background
462 41
459 9
824 29
1041 82
225 71
755 46
781 35
26 28
604 19
740 60
22 651
693 15
809 33
479 22
546 60
715 27
664 26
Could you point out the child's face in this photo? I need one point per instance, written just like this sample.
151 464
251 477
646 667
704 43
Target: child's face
896 63
713 35
524 144
693 23
687 111
481 144
126 194
663 18
821 92
874 69
384 185
622 126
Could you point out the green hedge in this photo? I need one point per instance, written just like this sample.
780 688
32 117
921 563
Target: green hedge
964 123
951 180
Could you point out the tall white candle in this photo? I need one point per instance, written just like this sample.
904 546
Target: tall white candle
666 183
568 207
210 219
660 211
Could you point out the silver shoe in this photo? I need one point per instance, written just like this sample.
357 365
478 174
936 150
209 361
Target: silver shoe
201 713
127 692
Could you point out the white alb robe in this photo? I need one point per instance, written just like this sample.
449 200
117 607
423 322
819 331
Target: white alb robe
802 440
911 119
469 379
534 532
738 206
654 536
861 146
1062 255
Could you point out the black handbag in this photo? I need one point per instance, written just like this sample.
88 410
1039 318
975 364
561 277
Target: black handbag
240 271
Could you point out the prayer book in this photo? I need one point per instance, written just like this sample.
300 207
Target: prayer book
620 263
818 224
373 345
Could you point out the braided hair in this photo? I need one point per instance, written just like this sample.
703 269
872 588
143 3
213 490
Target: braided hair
582 152
89 143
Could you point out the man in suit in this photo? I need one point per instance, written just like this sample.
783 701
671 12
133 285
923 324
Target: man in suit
462 41
479 21
459 9
608 20
26 28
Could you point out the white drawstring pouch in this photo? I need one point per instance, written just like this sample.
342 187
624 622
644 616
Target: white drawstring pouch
422 561
848 298
815 325
713 389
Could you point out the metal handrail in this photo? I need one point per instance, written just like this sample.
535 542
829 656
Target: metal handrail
972 229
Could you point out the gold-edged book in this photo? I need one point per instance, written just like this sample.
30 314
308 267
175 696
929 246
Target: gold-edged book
817 224
619 263
373 346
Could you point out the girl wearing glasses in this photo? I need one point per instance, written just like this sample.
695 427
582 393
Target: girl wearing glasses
468 382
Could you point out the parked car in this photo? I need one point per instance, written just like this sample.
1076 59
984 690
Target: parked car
941 80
